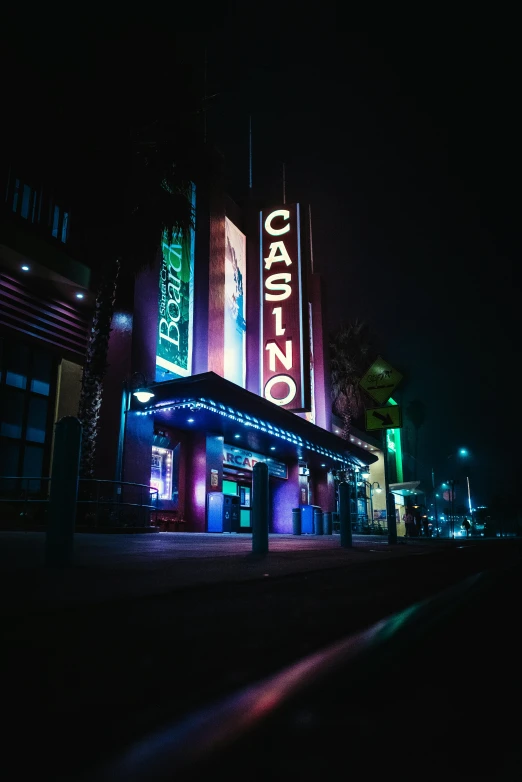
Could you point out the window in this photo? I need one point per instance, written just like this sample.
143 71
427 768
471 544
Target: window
59 220
26 201
12 415
65 225
26 409
41 373
9 458
15 365
33 462
229 487
16 195
36 420
161 472
56 221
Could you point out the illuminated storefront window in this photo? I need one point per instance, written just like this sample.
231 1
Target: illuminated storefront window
161 472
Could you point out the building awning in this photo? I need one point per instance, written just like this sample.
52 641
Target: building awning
208 402
405 489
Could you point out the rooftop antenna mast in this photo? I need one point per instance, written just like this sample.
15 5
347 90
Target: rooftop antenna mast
311 243
250 151
205 98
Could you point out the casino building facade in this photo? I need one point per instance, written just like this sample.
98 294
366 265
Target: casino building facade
222 363
218 362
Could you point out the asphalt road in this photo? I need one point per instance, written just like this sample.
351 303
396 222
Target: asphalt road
82 681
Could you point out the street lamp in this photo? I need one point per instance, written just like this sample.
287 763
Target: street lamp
140 390
463 453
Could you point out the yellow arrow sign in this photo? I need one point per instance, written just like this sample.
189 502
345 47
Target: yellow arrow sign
381 380
383 418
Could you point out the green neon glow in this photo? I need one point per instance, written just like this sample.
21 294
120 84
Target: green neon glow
393 441
395 622
398 454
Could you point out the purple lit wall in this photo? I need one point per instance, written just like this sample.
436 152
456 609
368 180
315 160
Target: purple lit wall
324 491
216 298
284 497
146 322
203 453
138 447
323 401
194 456
118 370
253 376
200 345
139 429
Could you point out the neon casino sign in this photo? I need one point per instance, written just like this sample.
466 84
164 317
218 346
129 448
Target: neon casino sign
284 320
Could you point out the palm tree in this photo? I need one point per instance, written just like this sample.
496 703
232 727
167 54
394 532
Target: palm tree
351 353
143 192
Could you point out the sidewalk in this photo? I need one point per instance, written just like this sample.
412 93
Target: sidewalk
115 567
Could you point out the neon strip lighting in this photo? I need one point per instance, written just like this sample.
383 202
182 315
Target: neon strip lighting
252 422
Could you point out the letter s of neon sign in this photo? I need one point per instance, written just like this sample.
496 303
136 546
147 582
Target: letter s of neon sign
285 214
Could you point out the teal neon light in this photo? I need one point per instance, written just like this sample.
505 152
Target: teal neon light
393 442
251 422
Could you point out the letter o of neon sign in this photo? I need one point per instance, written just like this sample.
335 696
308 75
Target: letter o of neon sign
281 379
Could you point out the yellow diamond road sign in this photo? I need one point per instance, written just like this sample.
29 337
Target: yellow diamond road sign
383 418
381 380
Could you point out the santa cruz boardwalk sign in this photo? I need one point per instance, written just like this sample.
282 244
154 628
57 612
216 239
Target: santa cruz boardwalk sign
285 371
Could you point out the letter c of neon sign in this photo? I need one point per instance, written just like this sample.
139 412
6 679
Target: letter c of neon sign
285 214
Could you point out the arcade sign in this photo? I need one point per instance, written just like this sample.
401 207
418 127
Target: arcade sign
246 460
285 372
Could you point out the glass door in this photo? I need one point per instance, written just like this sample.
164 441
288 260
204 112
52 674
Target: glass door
245 502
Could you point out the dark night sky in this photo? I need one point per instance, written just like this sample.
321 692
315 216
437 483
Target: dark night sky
403 135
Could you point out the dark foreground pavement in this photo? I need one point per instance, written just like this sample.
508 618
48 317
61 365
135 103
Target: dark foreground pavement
111 567
142 631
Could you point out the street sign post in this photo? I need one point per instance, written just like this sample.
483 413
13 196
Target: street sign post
383 418
381 380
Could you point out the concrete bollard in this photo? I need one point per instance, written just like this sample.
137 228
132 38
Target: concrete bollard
296 521
345 516
59 537
391 519
318 521
327 522
260 509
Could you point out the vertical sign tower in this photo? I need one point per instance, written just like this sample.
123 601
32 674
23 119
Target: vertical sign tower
284 339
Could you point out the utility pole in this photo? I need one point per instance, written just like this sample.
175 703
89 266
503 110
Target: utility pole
435 501
451 484
390 499
250 178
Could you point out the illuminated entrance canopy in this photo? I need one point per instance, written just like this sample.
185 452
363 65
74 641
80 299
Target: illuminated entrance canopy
285 377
